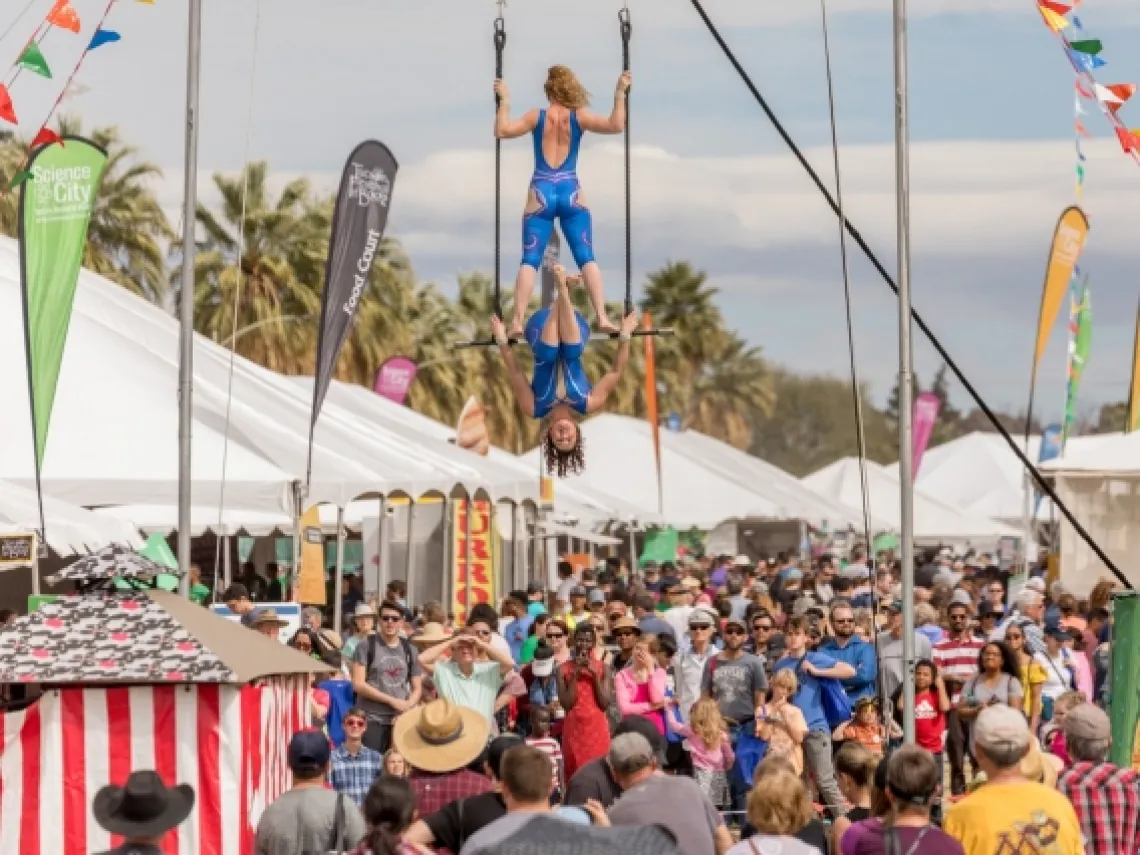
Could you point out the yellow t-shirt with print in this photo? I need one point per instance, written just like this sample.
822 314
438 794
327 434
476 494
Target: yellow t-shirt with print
1032 675
1015 819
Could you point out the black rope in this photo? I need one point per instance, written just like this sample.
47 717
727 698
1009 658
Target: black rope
500 46
919 322
626 33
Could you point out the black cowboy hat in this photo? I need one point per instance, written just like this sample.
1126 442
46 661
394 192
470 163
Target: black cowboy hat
144 807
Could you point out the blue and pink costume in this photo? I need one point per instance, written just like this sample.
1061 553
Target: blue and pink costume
556 191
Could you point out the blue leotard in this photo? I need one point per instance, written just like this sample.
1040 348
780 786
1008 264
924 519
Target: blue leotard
557 193
550 359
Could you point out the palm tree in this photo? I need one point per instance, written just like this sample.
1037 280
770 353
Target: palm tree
128 229
278 261
733 389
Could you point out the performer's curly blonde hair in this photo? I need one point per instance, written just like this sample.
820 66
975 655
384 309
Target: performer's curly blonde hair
562 87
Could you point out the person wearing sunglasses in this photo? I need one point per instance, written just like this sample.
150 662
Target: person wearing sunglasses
845 646
387 677
737 682
354 766
556 637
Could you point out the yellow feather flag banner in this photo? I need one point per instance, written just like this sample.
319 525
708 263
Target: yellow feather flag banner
1068 242
311 580
1134 385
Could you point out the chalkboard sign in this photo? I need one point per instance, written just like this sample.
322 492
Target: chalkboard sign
17 550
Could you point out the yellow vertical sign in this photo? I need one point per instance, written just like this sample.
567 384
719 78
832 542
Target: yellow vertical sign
311 580
474 584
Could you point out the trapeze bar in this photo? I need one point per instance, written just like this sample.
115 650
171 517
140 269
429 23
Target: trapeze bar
594 336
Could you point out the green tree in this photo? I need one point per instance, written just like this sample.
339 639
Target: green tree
128 232
1112 418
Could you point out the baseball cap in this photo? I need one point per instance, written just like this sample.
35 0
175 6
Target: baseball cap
703 616
308 751
535 588
577 591
961 598
1088 722
597 597
741 561
792 573
543 663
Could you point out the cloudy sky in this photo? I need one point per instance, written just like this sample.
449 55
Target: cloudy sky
992 153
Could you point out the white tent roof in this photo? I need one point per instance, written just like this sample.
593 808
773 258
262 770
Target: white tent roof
70 530
1117 454
113 439
934 519
704 481
978 472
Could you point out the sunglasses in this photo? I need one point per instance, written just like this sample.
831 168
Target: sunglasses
700 627
355 722
555 635
390 618
761 627
733 630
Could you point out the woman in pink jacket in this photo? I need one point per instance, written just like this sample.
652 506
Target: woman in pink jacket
640 686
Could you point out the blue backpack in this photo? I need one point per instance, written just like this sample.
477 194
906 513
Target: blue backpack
836 705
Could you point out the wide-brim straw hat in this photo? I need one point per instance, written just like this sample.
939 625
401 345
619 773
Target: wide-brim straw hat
440 736
432 633
264 616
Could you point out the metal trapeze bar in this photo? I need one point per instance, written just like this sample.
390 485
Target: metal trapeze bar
594 336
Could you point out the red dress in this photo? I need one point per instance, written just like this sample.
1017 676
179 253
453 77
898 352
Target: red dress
585 734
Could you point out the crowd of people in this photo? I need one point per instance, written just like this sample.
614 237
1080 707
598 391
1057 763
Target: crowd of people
716 705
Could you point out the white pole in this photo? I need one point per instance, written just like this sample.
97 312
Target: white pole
906 367
186 301
338 580
410 555
385 550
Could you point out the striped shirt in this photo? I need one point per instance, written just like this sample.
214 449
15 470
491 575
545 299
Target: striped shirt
550 747
957 661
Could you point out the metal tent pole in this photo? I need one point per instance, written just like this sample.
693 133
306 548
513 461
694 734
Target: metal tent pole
338 580
186 299
906 366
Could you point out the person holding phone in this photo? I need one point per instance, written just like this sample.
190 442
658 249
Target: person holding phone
998 681
584 691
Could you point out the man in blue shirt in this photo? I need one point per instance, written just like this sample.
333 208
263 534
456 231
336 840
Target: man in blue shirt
353 767
846 646
517 629
809 669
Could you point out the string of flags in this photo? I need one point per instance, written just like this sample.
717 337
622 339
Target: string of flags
1084 54
62 17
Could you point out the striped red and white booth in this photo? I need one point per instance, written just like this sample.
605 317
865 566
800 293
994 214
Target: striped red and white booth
227 741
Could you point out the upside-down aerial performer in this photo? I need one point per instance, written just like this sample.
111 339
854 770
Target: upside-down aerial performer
557 335
555 192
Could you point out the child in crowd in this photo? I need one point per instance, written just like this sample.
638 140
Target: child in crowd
1053 732
394 764
865 728
709 747
541 739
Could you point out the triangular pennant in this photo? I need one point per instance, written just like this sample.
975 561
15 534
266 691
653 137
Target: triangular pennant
1127 139
1055 22
1089 46
33 60
1084 93
1106 96
19 178
7 110
64 16
1123 91
1056 8
1077 21
1082 130
1097 62
103 37
46 136
1081 61
1080 173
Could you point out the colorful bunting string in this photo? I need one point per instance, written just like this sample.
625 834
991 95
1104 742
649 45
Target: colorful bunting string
33 60
103 37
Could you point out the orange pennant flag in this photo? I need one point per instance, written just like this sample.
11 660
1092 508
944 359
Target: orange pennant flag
1082 130
1123 91
64 16
7 110
1055 22
1127 139
1053 6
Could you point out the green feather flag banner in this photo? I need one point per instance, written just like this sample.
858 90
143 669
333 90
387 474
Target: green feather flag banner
1080 341
33 60
1090 46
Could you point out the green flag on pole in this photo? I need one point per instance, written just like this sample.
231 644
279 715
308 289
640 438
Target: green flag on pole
55 207
1080 340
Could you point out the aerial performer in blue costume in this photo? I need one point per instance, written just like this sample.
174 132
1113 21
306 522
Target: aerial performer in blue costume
555 192
560 390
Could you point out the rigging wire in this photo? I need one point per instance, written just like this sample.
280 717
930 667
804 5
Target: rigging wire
917 319
237 293
16 20
500 39
626 33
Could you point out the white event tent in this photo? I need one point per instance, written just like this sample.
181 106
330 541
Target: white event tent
935 521
704 481
979 472
113 438
69 529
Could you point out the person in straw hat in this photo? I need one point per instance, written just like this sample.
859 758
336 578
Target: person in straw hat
363 623
141 811
268 623
439 740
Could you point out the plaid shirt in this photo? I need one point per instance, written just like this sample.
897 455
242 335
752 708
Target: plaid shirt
354 774
1107 801
436 791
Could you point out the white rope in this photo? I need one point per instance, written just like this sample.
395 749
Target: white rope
16 20
237 295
